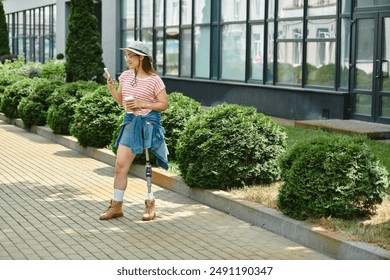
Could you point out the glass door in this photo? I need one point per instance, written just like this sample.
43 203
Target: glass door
370 82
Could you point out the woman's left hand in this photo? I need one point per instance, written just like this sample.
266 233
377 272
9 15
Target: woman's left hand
134 104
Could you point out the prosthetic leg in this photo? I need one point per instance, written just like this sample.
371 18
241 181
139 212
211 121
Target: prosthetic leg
149 212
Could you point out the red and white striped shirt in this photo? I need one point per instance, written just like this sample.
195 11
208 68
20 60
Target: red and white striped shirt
146 89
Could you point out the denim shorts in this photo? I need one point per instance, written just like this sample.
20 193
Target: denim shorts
127 130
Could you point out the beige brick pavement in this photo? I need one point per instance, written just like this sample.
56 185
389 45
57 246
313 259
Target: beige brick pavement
51 198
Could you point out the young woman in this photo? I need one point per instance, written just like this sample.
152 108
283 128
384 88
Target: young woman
142 93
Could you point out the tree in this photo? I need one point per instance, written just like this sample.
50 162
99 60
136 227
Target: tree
83 52
4 40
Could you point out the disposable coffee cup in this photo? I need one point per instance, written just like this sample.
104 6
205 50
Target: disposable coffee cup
128 98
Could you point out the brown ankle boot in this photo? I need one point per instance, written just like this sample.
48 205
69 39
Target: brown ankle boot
113 211
149 212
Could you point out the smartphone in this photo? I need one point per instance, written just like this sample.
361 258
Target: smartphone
107 73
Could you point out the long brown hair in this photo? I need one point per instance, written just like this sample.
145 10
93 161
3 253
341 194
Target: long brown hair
147 65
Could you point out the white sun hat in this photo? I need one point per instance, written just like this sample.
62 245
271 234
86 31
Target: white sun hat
138 47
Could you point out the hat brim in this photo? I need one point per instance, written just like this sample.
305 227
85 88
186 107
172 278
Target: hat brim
139 52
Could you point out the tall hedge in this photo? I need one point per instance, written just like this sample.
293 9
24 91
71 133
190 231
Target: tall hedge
83 52
4 40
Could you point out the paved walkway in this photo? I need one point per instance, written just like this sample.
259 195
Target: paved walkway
51 198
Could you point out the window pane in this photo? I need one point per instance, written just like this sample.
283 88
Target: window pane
363 104
369 3
186 11
270 52
257 41
202 11
159 14
185 52
257 9
160 52
147 13
364 53
321 28
173 12
290 9
233 52
322 8
172 51
202 52
289 62
321 63
385 109
344 52
290 30
271 9
346 7
128 14
233 10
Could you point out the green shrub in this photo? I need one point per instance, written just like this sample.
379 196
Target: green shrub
31 70
13 94
53 70
63 103
230 146
331 176
33 108
174 119
96 118
7 80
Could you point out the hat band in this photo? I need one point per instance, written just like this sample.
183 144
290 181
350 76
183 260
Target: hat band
138 50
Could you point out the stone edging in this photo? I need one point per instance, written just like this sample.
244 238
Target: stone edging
325 242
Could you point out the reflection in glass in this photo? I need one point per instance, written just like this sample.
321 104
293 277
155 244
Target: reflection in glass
385 109
344 52
186 12
202 11
172 51
233 52
257 52
270 52
172 12
365 50
256 9
128 14
233 10
147 13
322 8
290 29
363 104
159 13
370 3
321 63
290 9
202 52
185 52
289 62
321 28
385 75
160 52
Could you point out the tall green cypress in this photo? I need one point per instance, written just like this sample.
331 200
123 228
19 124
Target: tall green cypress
84 59
4 40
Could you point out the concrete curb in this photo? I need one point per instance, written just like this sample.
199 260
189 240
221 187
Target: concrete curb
318 239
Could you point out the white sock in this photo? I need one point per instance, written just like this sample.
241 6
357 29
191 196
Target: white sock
150 196
118 195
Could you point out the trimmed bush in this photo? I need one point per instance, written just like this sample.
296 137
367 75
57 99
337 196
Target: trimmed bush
53 70
174 119
96 118
331 176
63 105
230 146
33 108
13 94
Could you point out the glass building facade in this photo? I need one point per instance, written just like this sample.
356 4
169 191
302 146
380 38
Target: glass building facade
297 59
